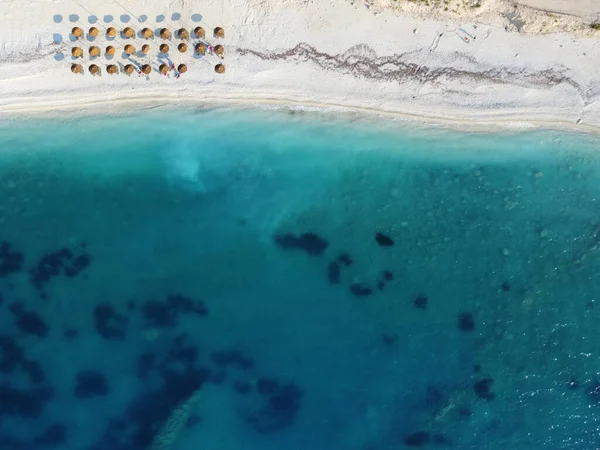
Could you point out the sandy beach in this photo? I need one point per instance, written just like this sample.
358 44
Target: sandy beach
390 57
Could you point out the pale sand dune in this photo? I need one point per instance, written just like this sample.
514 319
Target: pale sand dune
317 53
589 9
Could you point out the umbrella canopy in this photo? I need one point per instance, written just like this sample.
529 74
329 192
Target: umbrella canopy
112 69
182 47
77 32
147 33
94 51
219 32
94 69
129 49
164 48
146 69
110 50
111 32
128 69
219 68
164 69
200 48
219 50
145 49
165 33
93 32
76 52
183 33
199 32
182 68
128 32
76 68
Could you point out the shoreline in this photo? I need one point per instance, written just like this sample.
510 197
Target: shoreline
337 56
486 120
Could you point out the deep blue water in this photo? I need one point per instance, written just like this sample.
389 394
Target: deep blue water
296 281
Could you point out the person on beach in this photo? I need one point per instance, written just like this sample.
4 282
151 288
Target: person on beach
172 67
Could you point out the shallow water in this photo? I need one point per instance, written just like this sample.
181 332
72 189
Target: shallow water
469 323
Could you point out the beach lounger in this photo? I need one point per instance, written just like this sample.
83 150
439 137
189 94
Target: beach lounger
464 35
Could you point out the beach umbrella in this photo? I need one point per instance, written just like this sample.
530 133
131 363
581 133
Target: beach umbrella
94 51
164 48
110 50
182 68
112 69
164 69
129 49
145 49
77 32
128 32
111 32
93 32
94 69
219 50
147 33
219 32
165 33
182 47
200 48
199 32
219 68
128 69
146 69
76 68
76 52
183 33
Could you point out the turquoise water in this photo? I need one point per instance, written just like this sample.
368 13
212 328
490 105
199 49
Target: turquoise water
296 281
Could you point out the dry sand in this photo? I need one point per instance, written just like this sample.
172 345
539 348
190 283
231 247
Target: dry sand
399 57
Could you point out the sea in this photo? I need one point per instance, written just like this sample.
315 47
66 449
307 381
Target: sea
268 279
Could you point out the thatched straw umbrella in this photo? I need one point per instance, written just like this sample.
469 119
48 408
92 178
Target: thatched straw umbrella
128 32
76 68
110 50
165 33
129 49
219 32
219 68
164 48
182 68
182 47
93 32
146 69
183 33
77 32
200 48
128 69
94 51
76 52
199 32
94 69
145 49
164 68
219 50
111 32
112 69
147 33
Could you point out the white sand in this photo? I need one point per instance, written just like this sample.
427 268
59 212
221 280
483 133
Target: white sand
311 52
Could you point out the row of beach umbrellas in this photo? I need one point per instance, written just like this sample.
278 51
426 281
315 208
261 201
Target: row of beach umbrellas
129 49
147 33
128 69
